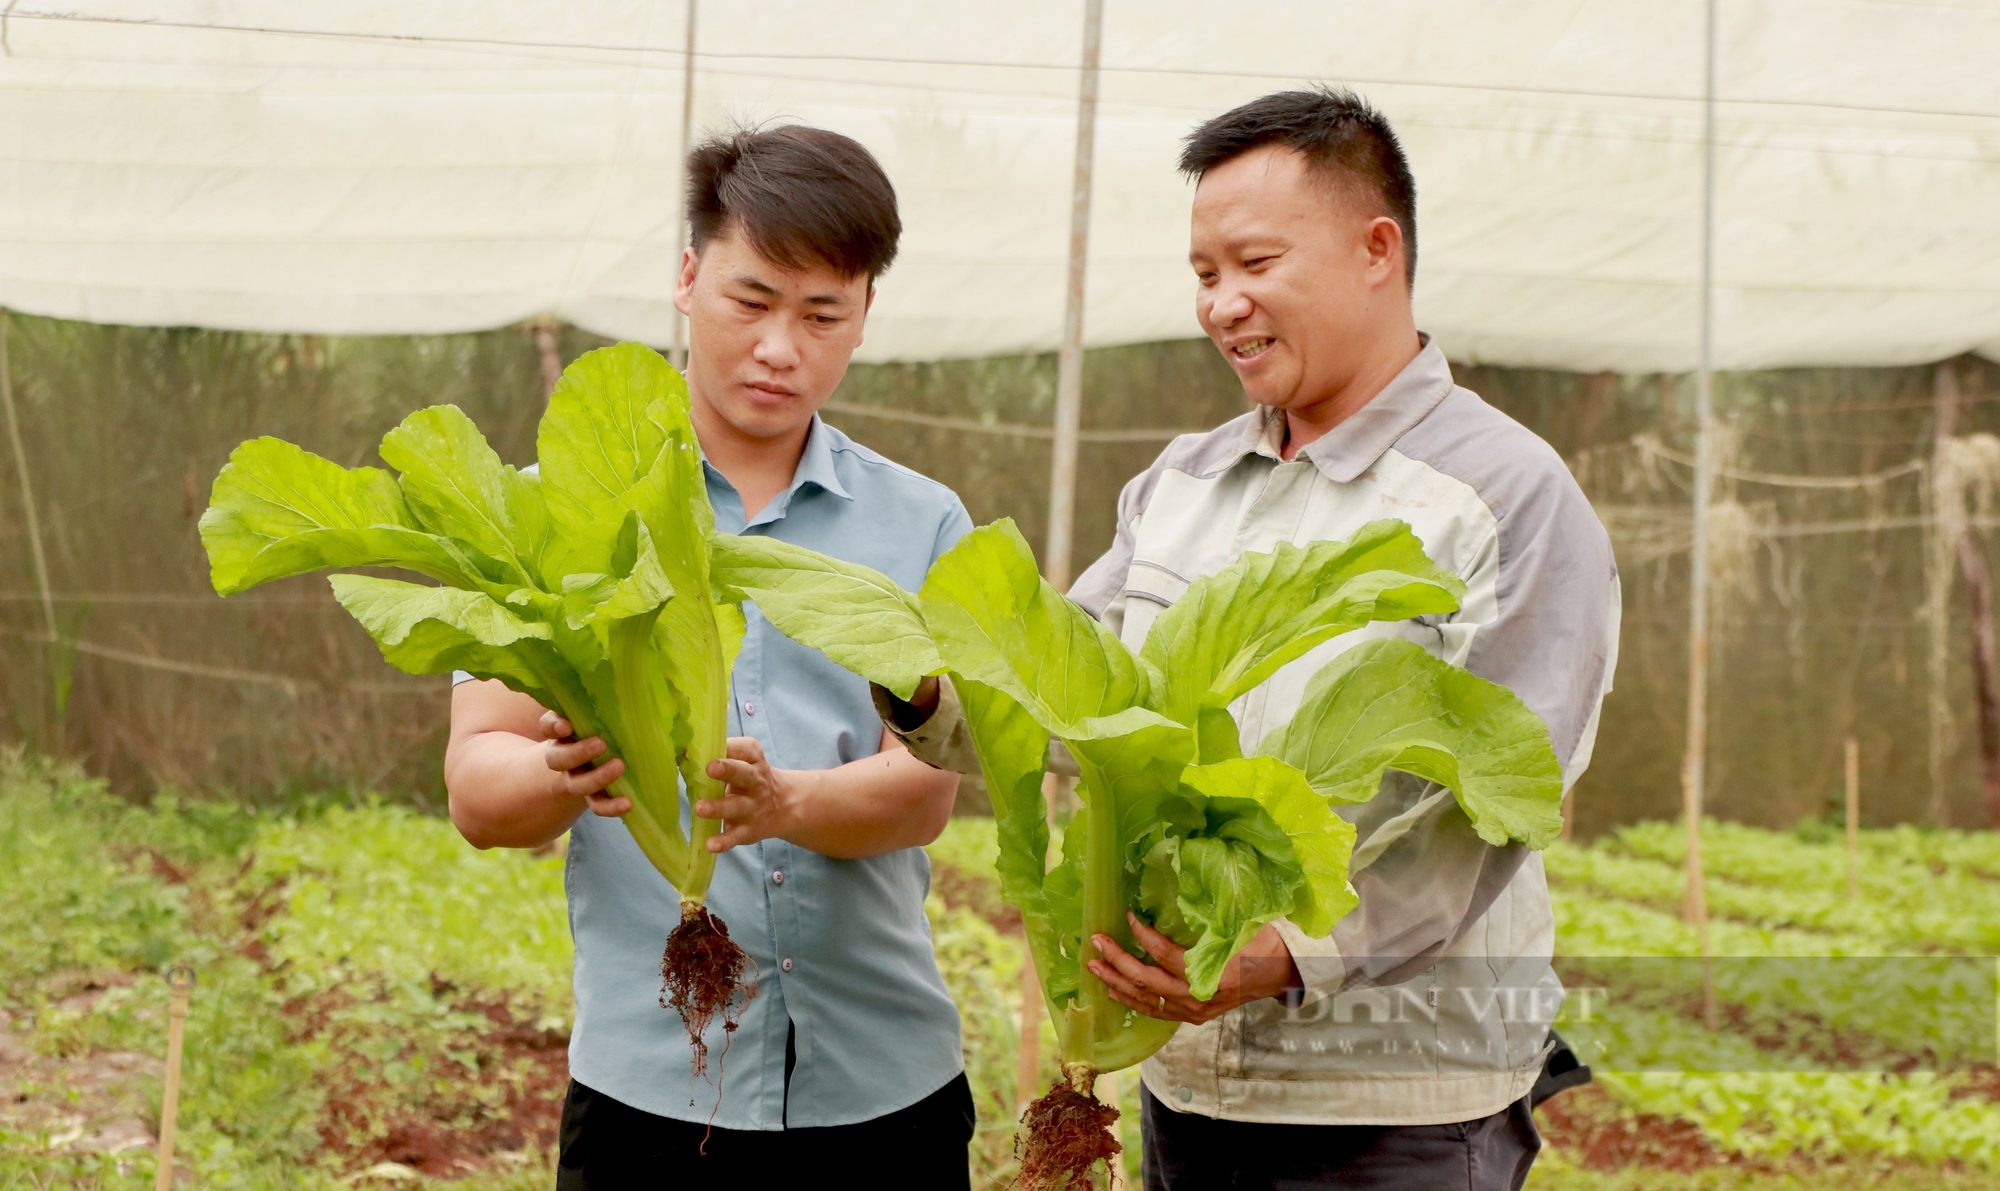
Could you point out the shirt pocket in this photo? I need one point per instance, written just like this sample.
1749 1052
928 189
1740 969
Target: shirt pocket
1150 589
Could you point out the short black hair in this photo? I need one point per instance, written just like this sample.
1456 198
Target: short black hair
802 196
1338 133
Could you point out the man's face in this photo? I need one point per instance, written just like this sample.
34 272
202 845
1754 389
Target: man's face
766 345
1291 276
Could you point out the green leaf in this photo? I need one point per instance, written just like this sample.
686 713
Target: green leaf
278 511
1321 841
1232 630
435 630
1390 705
1229 890
1160 890
853 614
730 626
1262 846
1013 752
458 488
599 602
585 587
995 621
617 439
601 436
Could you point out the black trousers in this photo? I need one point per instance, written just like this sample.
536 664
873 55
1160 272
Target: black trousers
1189 1152
609 1146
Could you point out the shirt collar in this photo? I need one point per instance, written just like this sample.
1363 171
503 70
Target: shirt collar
1352 447
815 467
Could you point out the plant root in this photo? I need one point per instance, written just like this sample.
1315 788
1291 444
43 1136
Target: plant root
1064 1135
701 978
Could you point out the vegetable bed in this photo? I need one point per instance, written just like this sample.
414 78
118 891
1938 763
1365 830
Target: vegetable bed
382 1004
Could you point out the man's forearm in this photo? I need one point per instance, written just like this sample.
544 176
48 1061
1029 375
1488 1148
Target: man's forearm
503 795
878 804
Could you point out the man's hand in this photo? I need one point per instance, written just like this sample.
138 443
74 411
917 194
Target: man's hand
1262 969
574 774
761 802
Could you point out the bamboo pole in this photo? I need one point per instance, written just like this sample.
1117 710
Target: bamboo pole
1939 565
1694 764
51 631
1853 819
1069 362
546 329
1985 680
27 486
181 980
678 352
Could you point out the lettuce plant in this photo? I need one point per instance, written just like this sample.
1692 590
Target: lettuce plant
584 585
1177 823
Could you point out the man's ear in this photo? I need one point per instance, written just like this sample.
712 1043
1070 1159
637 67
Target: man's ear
684 284
869 303
1383 241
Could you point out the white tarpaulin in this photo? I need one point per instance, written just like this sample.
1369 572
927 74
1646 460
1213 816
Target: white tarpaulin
363 167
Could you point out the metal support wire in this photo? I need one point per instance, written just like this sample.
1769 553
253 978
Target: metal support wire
1069 363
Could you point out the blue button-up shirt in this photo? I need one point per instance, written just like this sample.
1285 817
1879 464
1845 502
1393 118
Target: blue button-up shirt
842 947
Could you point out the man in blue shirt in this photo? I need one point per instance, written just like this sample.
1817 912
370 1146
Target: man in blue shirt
848 1057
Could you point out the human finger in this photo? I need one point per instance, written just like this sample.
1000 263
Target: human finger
729 809
743 775
565 757
555 727
1152 1005
735 836
1165 952
1145 978
745 748
589 782
608 806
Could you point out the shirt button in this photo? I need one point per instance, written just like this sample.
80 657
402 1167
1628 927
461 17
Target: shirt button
778 878
749 709
786 964
1184 1094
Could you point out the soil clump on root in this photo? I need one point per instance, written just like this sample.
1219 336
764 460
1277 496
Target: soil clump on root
1063 1136
701 978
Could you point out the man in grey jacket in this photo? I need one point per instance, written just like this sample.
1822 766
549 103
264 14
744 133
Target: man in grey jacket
1399 1052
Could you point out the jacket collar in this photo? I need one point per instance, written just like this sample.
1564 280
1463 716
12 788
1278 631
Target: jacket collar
1352 447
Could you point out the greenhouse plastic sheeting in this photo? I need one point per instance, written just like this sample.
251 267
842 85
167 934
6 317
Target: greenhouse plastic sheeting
364 167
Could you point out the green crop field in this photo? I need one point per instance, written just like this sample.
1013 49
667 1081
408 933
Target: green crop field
380 1004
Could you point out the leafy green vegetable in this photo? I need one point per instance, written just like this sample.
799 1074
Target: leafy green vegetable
585 587
1176 823
1390 705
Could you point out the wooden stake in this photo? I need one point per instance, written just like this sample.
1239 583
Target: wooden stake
1106 1092
1853 819
181 980
1028 1062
